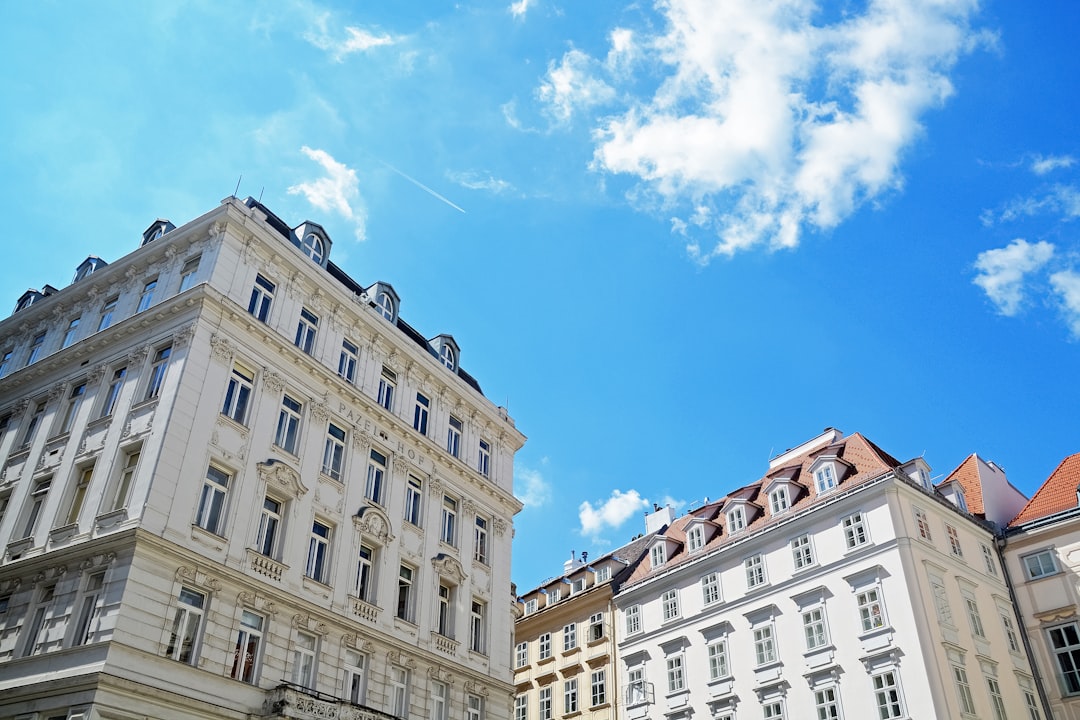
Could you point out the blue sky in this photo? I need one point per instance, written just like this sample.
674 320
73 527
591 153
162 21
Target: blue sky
673 238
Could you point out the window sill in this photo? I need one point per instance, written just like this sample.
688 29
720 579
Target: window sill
858 548
722 686
805 568
545 660
601 706
595 641
237 425
285 451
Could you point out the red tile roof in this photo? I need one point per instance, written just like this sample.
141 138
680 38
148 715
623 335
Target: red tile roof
967 474
1056 494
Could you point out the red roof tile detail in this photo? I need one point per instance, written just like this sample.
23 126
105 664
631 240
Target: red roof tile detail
1058 493
967 474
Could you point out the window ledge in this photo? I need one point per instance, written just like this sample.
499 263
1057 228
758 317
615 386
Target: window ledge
601 706
545 660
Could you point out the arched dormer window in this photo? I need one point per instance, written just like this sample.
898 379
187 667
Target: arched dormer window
384 299
446 349
157 228
88 266
312 245
385 305
448 356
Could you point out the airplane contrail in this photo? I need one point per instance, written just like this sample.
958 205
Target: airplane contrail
420 185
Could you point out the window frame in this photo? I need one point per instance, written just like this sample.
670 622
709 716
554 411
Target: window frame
212 509
307 330
320 541
262 298
249 637
189 617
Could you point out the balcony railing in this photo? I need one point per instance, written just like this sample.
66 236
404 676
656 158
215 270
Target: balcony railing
289 702
264 565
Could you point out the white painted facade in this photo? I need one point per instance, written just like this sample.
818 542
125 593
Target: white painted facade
871 599
251 525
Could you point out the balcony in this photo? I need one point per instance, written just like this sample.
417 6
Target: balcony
443 643
288 702
265 566
364 610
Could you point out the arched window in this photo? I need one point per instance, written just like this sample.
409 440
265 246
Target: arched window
385 305
446 355
312 247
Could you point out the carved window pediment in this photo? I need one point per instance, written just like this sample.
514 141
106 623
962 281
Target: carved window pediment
277 474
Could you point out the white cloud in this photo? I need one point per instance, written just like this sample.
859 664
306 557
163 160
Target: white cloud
612 513
1002 272
519 8
773 123
356 39
1042 165
530 487
572 85
1062 200
338 192
481 181
1066 284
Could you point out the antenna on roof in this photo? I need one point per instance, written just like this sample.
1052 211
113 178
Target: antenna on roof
238 184
261 192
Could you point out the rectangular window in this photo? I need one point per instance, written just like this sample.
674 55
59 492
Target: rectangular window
633 619
405 593
262 296
773 710
188 272
855 530
922 524
33 644
755 571
718 659
399 691
35 504
306 328
887 694
521 655
387 384
107 311
438 700
569 637
453 437
365 573
376 470
444 622
1011 638
827 704
480 541
997 702
599 687
483 462
658 555
125 480
988 560
764 645
318 560
963 690
1065 644
570 700
736 519
414 495
635 686
304 654
544 643
248 651
420 414
75 398
238 393
5 362
814 628
70 333
210 515
545 703
695 538
350 355
35 349
676 678
157 373
596 627
147 296
825 479
954 541
530 606
778 500
78 496
34 423
1038 565
334 451
603 574
474 707
871 611
89 610
974 619
269 520
1027 689
355 677
112 394
670 603
478 627
287 436
941 602
802 552
521 707
448 532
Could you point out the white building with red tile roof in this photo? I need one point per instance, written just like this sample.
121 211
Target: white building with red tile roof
839 584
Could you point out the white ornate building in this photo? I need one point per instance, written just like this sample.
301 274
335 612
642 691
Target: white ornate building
235 484
842 584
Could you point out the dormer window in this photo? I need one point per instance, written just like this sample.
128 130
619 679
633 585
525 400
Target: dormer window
736 519
825 479
448 357
156 230
961 502
385 305
779 500
695 538
88 266
658 555
312 245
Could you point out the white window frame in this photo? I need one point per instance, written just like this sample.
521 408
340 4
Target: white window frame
188 272
824 479
399 691
480 540
421 413
146 298
414 501
676 673
598 686
922 524
779 501
374 484
318 557
249 641
544 703
448 527
802 552
736 519
364 587
815 628
125 479
158 369
71 332
544 646
355 680
717 652
305 654
887 694
262 298
695 538
454 429
307 329
871 609
483 461
765 644
212 510
387 386
954 541
710 588
856 533
270 521
963 689
287 434
658 555
333 460
238 393
108 309
569 637
1040 564
669 602
348 360
406 592
570 696
521 655
755 571
632 617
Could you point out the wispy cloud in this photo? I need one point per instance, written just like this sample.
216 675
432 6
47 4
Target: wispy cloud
773 124
347 42
530 487
1003 271
338 191
611 513
1062 200
473 180
572 84
1041 165
1066 284
519 8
